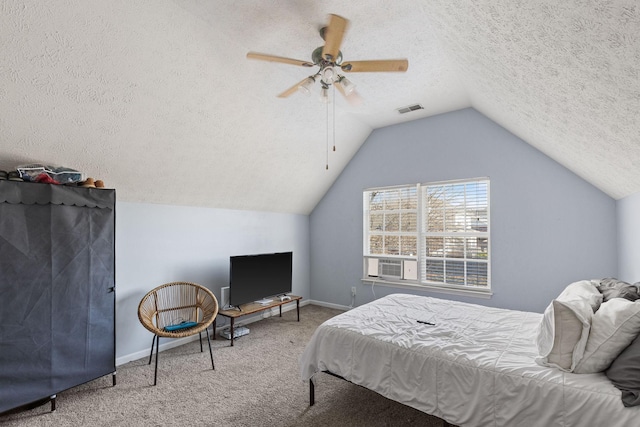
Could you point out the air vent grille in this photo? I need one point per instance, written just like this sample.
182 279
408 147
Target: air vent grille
410 108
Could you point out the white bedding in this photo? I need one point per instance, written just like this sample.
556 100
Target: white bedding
474 367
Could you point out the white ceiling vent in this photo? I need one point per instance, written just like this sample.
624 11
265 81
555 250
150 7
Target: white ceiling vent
410 108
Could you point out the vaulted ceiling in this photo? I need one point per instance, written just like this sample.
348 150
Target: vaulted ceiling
158 99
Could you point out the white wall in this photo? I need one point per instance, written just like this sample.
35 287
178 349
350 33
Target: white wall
628 213
157 244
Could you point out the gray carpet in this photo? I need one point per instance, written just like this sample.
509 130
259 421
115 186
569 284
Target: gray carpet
255 383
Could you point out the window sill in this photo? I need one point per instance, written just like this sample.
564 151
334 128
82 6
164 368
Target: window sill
484 294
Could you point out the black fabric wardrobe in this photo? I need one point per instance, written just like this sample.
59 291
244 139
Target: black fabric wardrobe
57 289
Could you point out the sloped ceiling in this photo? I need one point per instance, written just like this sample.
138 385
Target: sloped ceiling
157 98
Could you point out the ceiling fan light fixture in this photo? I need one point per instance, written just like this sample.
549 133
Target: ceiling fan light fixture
329 75
305 86
347 86
324 94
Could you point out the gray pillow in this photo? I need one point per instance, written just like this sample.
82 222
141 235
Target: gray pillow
614 288
624 373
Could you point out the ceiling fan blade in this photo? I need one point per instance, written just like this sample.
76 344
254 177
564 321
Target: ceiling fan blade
400 65
293 89
333 37
273 58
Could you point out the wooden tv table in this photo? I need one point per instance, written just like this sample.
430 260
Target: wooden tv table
255 307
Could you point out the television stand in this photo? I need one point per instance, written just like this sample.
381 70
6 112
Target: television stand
255 307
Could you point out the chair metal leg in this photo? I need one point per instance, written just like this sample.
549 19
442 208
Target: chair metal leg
153 341
210 351
155 375
156 343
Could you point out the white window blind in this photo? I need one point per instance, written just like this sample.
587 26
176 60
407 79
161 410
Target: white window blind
442 226
392 221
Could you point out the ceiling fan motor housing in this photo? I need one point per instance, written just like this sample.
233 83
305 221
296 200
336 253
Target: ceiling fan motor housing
317 58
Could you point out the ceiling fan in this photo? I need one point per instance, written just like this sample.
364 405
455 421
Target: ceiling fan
328 59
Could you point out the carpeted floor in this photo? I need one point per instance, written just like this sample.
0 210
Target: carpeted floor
255 383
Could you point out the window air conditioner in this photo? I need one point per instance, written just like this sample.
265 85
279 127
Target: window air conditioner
391 268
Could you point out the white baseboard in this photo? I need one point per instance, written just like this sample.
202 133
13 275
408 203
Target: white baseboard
169 344
329 305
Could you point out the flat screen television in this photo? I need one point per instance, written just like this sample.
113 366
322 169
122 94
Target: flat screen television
257 277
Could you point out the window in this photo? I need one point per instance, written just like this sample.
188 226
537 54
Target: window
434 235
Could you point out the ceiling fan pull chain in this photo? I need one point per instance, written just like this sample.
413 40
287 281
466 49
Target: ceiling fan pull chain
334 117
327 110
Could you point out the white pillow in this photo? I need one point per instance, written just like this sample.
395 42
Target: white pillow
613 327
564 330
586 290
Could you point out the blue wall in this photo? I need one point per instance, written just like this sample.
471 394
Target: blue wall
629 238
157 244
548 226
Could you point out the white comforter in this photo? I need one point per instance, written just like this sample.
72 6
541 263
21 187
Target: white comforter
474 367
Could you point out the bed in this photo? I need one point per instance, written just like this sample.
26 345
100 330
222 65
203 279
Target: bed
468 364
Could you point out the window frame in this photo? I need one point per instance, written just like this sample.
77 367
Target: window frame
421 233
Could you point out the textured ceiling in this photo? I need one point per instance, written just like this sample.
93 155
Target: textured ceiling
563 76
157 98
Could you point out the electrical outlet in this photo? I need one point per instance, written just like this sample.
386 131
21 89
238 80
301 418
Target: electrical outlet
353 291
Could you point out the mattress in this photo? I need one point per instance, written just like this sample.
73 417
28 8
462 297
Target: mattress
468 364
